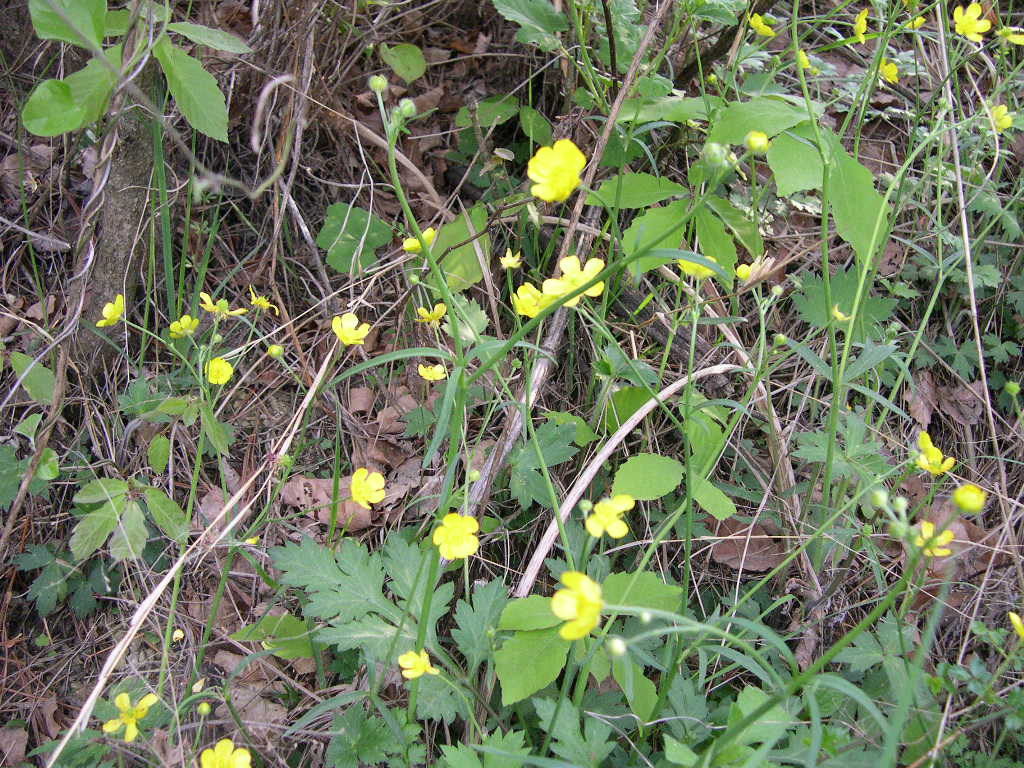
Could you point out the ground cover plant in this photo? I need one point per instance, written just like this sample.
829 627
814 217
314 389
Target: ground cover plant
514 383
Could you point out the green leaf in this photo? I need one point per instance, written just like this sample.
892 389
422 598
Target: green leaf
405 59
212 38
634 190
528 613
648 476
50 587
674 109
159 453
351 235
767 114
40 381
220 435
678 753
116 23
83 599
494 110
92 85
535 125
743 229
528 661
461 265
509 748
716 243
167 515
623 404
657 228
286 636
768 728
648 590
472 321
587 748
51 110
712 499
795 160
874 310
554 443
93 529
29 425
103 489
49 466
83 25
538 20
584 434
475 624
437 700
358 739
195 90
860 212
35 556
640 692
129 538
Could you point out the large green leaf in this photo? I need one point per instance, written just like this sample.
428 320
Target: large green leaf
39 382
634 190
766 114
675 109
405 59
194 90
130 535
79 22
494 110
538 20
743 228
93 529
461 265
860 212
535 125
716 243
212 38
648 476
167 515
712 499
528 661
351 236
51 110
285 636
528 613
641 590
795 160
654 229
103 489
92 85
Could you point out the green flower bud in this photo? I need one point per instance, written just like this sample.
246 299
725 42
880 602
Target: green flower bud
378 83
407 108
879 497
203 708
276 351
1012 388
474 475
616 646
716 155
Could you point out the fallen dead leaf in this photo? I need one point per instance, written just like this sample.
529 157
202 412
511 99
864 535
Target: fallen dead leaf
313 495
12 745
261 716
922 399
961 404
360 399
47 713
209 507
748 547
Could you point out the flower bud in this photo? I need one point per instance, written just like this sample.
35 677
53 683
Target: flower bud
414 279
586 505
757 142
898 529
879 497
616 646
1012 388
474 475
776 291
203 708
716 155
900 505
286 461
275 351
779 339
407 108
216 338
378 83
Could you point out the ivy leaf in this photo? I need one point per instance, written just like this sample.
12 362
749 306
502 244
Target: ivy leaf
351 236
554 443
195 90
405 59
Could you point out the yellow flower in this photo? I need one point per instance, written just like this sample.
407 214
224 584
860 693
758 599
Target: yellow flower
759 24
860 25
413 245
431 315
889 71
743 272
185 325
917 22
529 301
348 330
510 261
456 538
219 370
805 62
415 664
1013 35
1018 625
261 302
555 171
367 487
757 142
1002 117
693 269
573 277
579 606
839 316
221 308
969 498
177 635
252 541
112 312
224 755
607 517
128 715
432 372
969 23
275 351
930 459
931 544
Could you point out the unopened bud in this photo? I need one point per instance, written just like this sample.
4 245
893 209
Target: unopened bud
586 505
378 83
616 646
407 108
203 708
757 142
474 475
216 338
275 351
414 279
779 339
776 291
900 505
716 155
879 497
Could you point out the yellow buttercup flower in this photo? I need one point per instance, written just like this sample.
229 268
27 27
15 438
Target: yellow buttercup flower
1018 624
889 71
693 269
275 351
177 635
917 22
129 715
112 312
555 171
367 487
1002 117
805 62
969 498
510 261
607 516
743 272
1013 35
413 245
529 301
573 277
839 316
579 605
432 372
224 755
759 24
220 308
968 22
932 544
456 537
930 459
185 325
860 25
261 302
757 142
348 330
416 664
434 315
219 370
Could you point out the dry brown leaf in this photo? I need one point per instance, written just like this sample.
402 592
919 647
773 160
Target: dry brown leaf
47 713
360 399
210 506
313 495
922 399
961 404
253 672
747 547
261 716
12 745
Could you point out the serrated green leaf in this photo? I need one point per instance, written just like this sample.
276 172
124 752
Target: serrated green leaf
358 740
538 20
49 588
584 434
528 613
51 110
158 454
36 556
79 22
351 236
210 37
39 382
647 590
528 661
795 160
475 623
588 748
83 600
634 190
102 489
437 700
10 475
195 90
554 444
167 515
648 476
768 728
93 529
767 114
405 59
130 535
812 307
